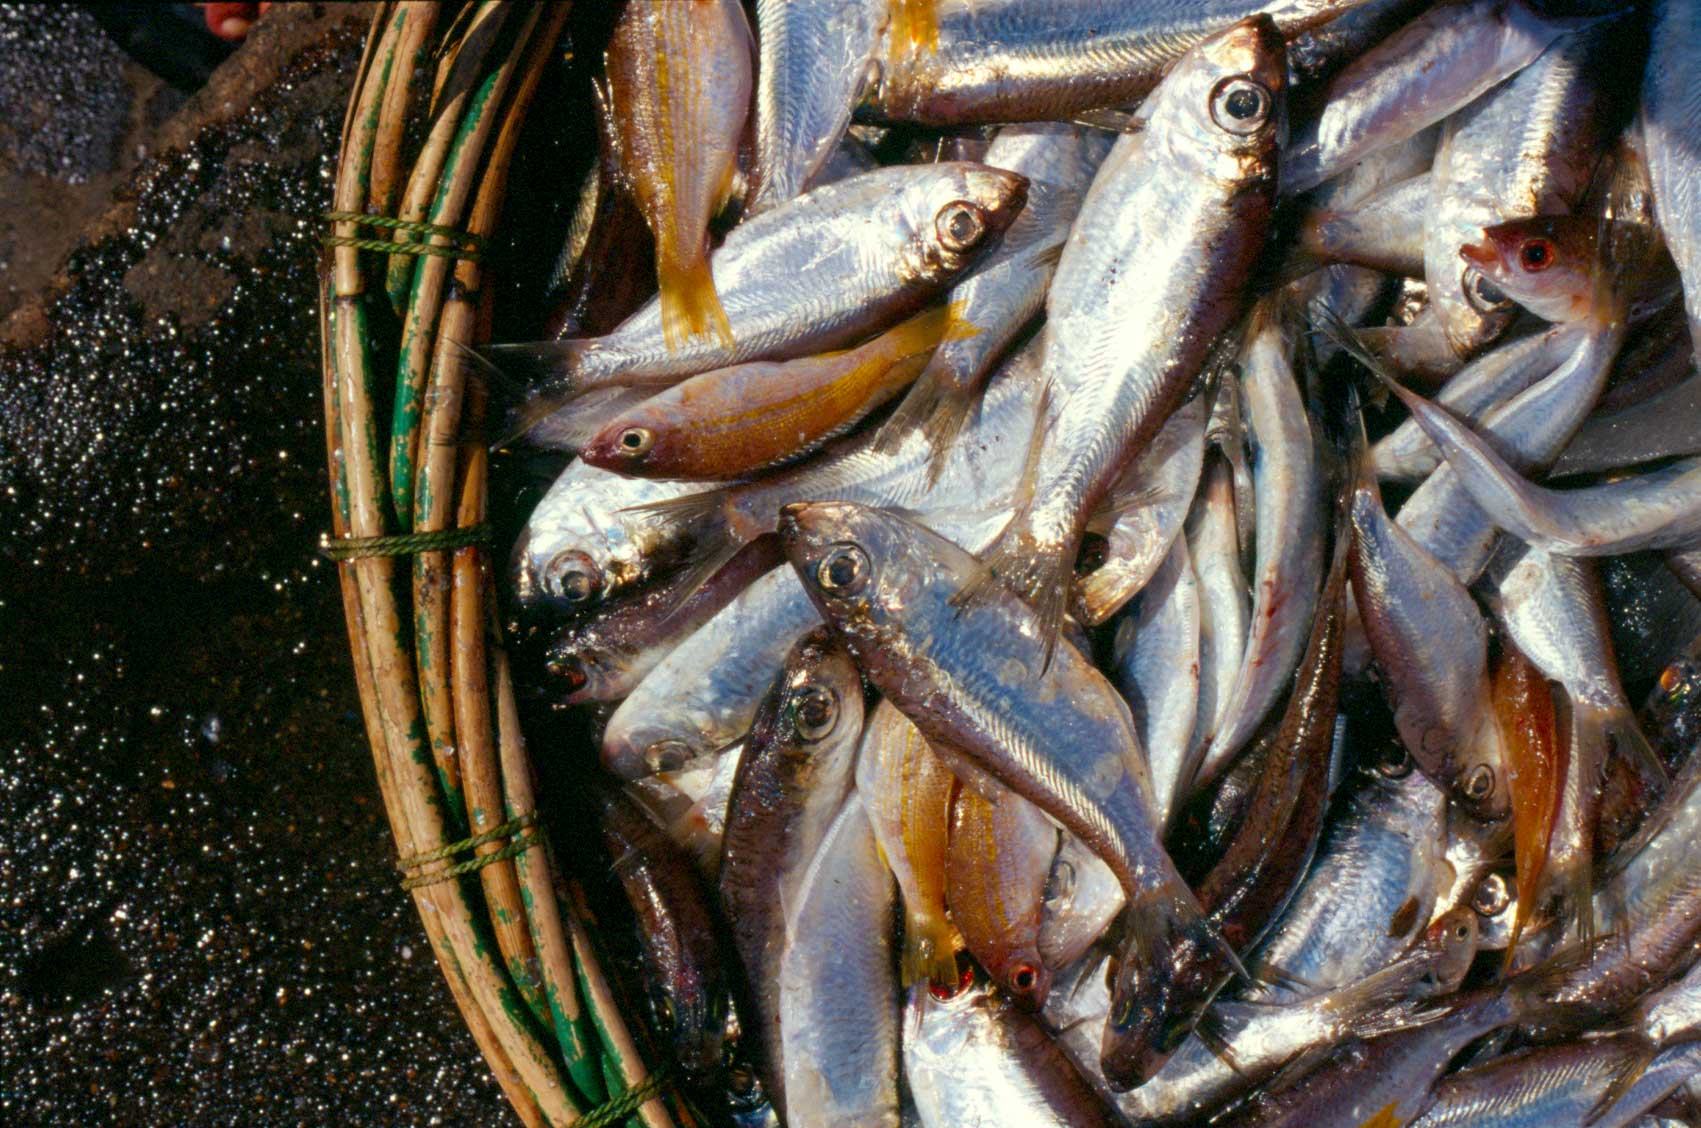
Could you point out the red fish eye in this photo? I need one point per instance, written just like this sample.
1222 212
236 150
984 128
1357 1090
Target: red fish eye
1536 254
1668 679
1024 977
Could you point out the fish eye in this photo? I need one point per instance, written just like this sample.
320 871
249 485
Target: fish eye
574 577
1123 1018
1490 899
637 441
1536 255
814 711
843 571
1240 105
1480 784
959 225
1483 295
1394 763
569 668
1024 977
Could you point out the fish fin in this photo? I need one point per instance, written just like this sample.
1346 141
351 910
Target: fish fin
541 375
1110 119
1269 975
690 306
930 952
1629 1070
938 412
1213 1037
697 520
1048 255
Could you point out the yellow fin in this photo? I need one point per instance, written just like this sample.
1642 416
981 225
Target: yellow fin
930 951
915 26
689 305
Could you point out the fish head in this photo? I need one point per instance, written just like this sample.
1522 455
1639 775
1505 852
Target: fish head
1449 945
861 566
1546 264
815 703
585 666
1225 102
637 442
957 213
555 577
1171 968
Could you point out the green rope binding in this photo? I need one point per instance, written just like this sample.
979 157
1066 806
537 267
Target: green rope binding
465 245
625 1104
404 544
522 842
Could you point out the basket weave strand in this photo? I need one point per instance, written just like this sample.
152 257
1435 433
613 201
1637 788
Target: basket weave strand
404 544
465 245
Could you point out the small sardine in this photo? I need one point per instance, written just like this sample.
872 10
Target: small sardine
1382 232
1156 657
813 275
704 694
815 55
838 990
792 783
1671 127
1431 67
678 940
978 683
674 107
1016 60
1082 898
1555 1085
973 1059
1213 544
1287 483
1152 274
1149 506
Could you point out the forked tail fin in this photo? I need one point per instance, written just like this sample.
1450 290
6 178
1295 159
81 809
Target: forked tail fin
690 307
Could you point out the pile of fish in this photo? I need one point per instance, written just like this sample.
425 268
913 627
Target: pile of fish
1086 567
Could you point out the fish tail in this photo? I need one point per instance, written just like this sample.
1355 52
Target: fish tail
930 951
690 307
530 382
937 412
915 26
1625 1073
1040 572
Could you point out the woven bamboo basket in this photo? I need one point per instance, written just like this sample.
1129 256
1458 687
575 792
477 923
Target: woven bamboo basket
427 146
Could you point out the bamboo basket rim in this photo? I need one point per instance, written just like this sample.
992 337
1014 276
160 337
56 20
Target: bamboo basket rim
409 498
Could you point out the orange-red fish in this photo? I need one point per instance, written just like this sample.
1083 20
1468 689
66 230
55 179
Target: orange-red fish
1535 769
995 878
735 421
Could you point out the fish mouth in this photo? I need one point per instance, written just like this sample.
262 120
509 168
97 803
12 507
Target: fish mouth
1482 254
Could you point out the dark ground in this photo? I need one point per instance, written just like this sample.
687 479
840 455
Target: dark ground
198 919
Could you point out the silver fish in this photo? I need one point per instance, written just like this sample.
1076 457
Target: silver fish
1555 1085
1408 454
580 546
1380 866
838 988
973 1060
1671 133
1149 504
1288 568
1150 277
978 683
1224 598
1431 645
1659 508
1430 68
814 58
1082 898
807 277
1016 60
1382 232
1529 148
704 694
995 303
1156 658
792 782
1251 1041
1553 609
